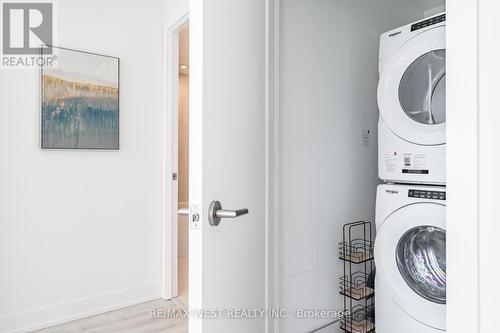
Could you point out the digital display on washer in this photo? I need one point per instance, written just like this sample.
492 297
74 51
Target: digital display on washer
415 171
428 22
436 195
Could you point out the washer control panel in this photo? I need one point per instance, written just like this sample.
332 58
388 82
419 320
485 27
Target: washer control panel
436 195
428 22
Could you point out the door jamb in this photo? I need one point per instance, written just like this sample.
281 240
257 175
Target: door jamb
463 213
169 221
272 162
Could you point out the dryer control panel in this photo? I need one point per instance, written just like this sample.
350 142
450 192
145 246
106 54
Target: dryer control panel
436 195
428 22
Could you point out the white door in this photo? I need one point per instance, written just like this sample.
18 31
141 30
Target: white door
227 162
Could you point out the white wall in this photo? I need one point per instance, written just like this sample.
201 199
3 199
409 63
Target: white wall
435 10
328 81
80 231
489 179
174 10
462 142
472 201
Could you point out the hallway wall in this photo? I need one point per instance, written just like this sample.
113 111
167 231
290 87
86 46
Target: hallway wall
80 231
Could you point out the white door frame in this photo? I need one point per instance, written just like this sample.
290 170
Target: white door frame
273 163
462 201
169 250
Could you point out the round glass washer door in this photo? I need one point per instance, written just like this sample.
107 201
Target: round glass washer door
422 89
415 233
421 260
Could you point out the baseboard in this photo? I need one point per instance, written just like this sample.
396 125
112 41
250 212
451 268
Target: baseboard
61 313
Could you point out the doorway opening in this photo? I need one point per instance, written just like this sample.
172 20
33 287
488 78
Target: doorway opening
181 166
175 187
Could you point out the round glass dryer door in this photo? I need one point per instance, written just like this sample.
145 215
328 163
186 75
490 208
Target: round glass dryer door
421 260
422 89
411 90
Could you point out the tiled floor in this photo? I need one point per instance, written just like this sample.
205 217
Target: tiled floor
133 319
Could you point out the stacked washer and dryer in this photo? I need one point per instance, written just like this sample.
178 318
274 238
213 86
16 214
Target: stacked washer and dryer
410 247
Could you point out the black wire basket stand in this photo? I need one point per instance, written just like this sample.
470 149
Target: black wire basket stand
356 284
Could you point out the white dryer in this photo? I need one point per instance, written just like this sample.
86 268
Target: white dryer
410 256
411 100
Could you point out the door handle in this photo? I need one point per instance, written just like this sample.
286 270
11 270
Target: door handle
216 213
183 211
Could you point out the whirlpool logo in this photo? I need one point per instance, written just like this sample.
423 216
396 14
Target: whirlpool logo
392 191
394 34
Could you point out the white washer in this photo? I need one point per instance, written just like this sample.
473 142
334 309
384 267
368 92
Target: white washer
410 256
411 100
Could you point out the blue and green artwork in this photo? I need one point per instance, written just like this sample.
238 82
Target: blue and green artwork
80 101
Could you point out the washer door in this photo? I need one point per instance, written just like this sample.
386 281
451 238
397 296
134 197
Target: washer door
410 256
411 91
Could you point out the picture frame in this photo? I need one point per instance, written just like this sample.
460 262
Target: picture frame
80 101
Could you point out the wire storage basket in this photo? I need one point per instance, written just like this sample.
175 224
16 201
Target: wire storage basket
361 320
356 251
356 284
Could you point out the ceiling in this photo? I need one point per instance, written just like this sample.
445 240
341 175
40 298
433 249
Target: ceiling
426 4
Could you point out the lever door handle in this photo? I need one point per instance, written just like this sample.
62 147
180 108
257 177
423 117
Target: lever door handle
216 213
226 213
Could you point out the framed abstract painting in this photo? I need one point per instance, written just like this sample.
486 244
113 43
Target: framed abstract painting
80 102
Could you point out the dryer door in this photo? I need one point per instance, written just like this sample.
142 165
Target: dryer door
411 91
410 256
